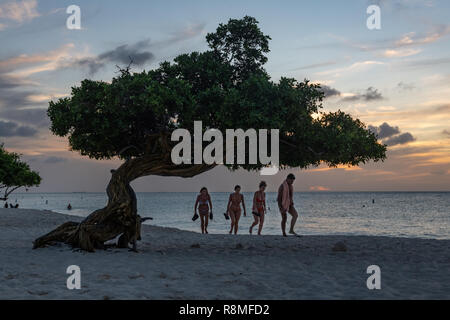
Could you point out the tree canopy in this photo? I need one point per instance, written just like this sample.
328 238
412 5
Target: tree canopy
132 118
15 173
224 87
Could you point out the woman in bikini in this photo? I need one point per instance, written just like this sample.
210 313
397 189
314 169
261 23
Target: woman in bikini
204 206
234 208
259 207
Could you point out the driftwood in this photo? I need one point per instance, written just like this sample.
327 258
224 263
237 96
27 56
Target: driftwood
119 217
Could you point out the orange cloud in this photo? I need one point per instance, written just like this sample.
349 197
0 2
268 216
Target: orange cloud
319 188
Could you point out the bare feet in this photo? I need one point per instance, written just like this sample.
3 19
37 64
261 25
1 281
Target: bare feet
250 230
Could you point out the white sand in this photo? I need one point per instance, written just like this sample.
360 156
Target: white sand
267 267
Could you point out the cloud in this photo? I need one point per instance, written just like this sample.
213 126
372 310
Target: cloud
384 131
355 67
13 129
391 135
401 6
427 62
371 94
33 116
446 133
122 54
48 160
400 139
400 53
191 31
412 38
10 98
138 52
19 11
54 159
316 65
402 86
319 188
25 65
329 92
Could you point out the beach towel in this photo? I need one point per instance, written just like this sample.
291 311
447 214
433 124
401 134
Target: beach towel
286 198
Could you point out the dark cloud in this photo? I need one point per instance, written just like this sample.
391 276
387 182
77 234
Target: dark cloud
16 105
329 92
443 109
123 54
371 94
13 129
35 117
54 159
402 86
384 131
9 96
400 139
316 65
47 160
391 135
138 52
92 64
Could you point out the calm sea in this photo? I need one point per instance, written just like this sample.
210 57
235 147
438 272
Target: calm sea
403 214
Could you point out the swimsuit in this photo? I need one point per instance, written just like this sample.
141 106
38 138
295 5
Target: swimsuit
235 203
203 207
259 206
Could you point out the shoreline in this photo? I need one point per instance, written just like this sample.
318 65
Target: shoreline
178 264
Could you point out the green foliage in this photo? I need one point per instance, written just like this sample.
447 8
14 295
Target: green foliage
225 87
15 173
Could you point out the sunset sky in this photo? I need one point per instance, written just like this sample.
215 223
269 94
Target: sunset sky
396 80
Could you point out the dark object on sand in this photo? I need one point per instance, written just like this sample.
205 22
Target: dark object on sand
227 217
195 217
6 205
69 207
211 215
16 206
11 206
340 246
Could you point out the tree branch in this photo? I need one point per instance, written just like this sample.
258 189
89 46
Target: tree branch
318 154
11 191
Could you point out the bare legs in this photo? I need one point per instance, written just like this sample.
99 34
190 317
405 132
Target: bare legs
258 220
294 215
235 216
233 219
204 222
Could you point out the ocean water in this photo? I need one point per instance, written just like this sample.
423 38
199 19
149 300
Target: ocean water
399 214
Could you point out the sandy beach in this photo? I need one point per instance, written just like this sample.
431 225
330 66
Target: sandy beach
175 264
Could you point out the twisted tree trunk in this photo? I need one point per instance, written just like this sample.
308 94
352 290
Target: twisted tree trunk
119 217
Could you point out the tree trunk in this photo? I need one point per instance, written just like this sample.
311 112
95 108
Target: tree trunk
119 217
